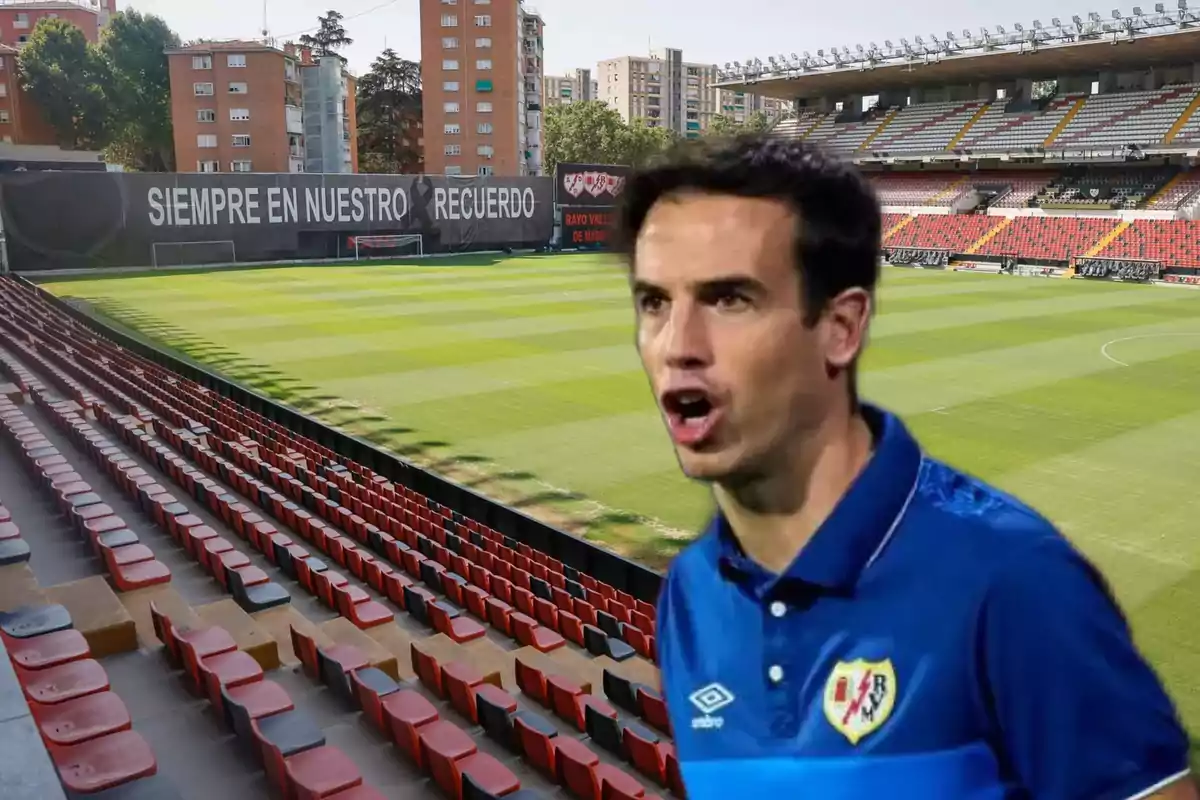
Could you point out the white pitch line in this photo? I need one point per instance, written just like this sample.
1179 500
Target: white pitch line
1104 347
938 410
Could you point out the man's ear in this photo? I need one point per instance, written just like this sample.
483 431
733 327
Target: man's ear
847 318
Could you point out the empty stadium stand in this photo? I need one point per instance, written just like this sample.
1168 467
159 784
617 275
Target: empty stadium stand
1172 242
1123 118
925 127
201 550
1105 189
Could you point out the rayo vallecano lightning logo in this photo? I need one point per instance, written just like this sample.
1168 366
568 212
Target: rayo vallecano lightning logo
859 697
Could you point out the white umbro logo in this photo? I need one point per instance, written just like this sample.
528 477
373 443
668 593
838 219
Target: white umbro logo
708 700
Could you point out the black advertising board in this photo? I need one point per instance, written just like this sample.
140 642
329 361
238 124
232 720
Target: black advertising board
64 220
589 184
584 226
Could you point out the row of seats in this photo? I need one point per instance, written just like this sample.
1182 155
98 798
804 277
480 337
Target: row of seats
954 232
130 564
13 549
1111 119
295 454
1105 188
407 719
287 743
1174 242
85 726
478 547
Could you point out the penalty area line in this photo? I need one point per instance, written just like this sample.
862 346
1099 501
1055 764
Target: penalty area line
1104 347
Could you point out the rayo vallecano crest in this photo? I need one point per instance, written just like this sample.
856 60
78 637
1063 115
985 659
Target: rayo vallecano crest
859 696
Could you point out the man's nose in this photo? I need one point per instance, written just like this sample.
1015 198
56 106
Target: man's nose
688 341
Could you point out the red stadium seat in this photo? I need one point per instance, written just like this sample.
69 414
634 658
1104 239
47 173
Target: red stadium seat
64 682
75 721
320 772
459 681
104 762
48 650
442 743
577 767
407 712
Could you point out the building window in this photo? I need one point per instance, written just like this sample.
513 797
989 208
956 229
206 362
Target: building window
454 170
483 63
240 166
241 140
201 62
449 20
451 128
238 87
449 63
483 86
1 62
450 108
483 108
452 150
484 127
23 38
22 20
206 115
202 89
208 166
4 116
485 150
450 86
449 42
483 41
486 170
483 21
206 140
239 115
483 2
3 90
236 60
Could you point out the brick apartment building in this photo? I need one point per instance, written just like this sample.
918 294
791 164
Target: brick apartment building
481 79
20 121
252 107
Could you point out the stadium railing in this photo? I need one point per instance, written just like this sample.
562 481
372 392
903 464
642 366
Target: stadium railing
604 565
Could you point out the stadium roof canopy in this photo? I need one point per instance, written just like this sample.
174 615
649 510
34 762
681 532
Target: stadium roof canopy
1126 42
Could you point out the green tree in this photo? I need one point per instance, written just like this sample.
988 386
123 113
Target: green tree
389 115
330 36
66 77
139 91
592 132
724 125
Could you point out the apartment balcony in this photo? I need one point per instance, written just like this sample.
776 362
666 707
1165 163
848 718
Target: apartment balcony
294 118
296 164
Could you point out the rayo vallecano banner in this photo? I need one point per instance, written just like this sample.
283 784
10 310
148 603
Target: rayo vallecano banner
589 184
60 220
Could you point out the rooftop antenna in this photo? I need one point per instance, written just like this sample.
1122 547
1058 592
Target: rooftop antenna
266 33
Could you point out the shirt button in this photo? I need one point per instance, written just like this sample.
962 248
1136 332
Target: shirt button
778 609
775 673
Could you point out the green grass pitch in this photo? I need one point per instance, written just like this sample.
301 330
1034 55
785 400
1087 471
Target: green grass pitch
518 377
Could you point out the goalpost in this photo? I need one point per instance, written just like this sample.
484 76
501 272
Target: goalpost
191 254
405 245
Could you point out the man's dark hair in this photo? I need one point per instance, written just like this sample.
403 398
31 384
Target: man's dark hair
838 220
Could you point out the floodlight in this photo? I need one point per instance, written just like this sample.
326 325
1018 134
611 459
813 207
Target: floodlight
1056 22
1159 8
807 57
888 44
820 54
920 42
796 57
1000 30
903 42
950 36
1037 24
1076 19
1137 11
1019 27
1116 14
1183 5
1094 17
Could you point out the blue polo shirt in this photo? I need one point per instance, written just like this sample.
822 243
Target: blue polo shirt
935 639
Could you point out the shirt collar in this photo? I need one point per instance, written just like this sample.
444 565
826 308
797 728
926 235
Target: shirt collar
858 529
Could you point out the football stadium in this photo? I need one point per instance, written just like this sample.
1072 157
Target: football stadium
352 486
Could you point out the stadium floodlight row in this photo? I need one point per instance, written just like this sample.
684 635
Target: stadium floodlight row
1020 40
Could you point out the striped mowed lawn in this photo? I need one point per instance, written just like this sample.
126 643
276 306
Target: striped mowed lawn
518 377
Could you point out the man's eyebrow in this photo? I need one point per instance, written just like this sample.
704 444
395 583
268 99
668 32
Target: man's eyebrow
645 287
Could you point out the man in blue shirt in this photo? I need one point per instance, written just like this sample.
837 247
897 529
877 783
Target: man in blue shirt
860 620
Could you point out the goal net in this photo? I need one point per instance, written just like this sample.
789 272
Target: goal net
192 254
390 246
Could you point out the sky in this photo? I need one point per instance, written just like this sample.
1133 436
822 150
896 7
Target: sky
580 33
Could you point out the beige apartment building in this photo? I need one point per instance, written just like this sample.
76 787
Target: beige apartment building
481 78
576 87
666 91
